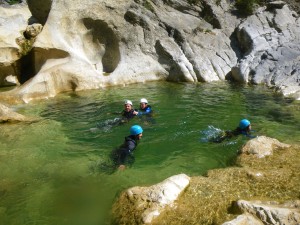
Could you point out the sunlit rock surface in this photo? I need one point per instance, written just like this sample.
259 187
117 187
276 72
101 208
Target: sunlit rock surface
93 44
13 21
270 41
262 146
146 203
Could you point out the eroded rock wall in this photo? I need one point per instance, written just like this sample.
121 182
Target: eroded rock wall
91 44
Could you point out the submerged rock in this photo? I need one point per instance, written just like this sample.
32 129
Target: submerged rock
8 115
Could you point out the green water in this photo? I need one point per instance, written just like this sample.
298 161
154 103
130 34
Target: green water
50 171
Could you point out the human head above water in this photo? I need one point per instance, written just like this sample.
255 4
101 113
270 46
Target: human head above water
244 123
143 103
127 105
128 102
136 130
143 100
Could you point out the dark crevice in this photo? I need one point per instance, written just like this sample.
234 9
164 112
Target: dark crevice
32 63
103 35
40 9
235 46
208 15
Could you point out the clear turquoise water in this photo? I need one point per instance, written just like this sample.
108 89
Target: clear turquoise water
50 169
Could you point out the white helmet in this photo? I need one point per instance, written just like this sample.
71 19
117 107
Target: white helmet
143 100
127 102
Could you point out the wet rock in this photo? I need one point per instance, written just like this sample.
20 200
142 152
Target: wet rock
262 146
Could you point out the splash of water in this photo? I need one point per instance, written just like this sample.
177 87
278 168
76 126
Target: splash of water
211 134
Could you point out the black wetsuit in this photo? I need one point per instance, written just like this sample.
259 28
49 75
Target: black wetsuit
128 115
123 154
232 133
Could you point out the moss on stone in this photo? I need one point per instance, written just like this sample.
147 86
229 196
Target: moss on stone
25 45
148 6
208 199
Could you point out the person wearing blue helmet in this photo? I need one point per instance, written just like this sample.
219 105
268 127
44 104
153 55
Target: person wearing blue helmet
243 128
123 154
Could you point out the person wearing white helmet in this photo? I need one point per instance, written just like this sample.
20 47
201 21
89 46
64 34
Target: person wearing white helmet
128 112
144 109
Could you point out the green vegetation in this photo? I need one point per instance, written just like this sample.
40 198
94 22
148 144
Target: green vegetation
12 2
247 7
148 6
25 45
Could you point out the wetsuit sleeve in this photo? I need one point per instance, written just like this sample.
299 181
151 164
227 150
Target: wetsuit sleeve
126 150
147 111
131 146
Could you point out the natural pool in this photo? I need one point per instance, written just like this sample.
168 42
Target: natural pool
50 170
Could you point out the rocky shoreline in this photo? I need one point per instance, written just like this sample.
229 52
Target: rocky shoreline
262 188
48 47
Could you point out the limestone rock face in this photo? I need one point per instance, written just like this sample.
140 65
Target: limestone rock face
146 203
257 212
262 146
91 44
13 21
270 42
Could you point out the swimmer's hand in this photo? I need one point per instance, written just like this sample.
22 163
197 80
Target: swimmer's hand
122 167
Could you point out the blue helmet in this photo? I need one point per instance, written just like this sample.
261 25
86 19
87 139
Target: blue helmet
244 123
136 129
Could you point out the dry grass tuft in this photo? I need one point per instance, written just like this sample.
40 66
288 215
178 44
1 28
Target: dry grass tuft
208 200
